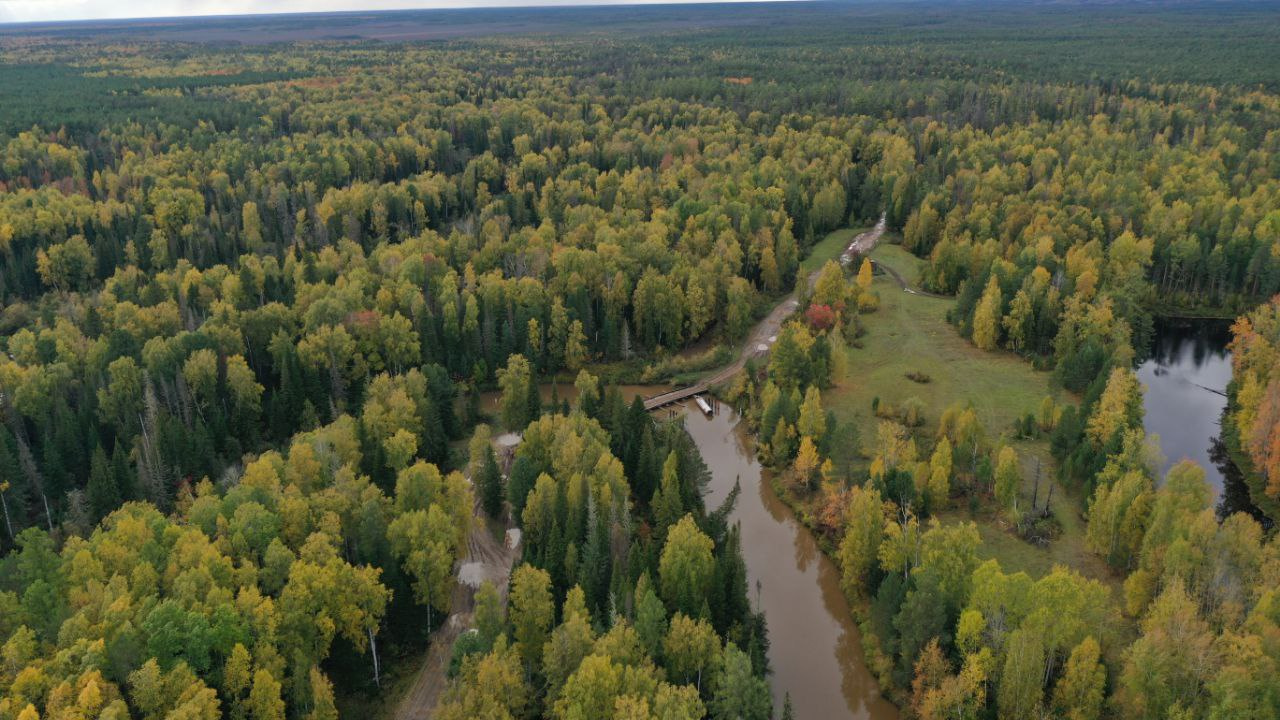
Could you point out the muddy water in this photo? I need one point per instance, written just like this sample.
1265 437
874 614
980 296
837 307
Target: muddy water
814 647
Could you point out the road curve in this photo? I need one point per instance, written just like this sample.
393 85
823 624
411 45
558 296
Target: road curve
766 331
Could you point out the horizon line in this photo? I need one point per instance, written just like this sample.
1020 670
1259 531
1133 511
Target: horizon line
446 6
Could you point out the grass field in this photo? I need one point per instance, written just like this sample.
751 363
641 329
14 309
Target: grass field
910 334
829 248
899 259
1014 554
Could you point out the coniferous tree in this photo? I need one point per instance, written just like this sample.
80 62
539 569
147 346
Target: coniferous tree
491 485
103 493
533 400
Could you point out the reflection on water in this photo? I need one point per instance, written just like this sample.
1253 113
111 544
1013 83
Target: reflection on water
814 647
1186 380
1235 493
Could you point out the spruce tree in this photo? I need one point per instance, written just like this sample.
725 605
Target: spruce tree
103 493
593 572
489 482
532 399
523 476
667 506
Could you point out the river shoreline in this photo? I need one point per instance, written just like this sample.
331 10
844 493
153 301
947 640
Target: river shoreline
795 581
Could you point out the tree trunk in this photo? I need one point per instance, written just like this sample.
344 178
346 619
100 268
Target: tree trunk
48 517
373 646
7 523
1035 491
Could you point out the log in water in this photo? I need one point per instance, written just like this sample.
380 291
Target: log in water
815 649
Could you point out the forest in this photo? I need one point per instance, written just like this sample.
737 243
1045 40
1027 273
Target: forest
256 299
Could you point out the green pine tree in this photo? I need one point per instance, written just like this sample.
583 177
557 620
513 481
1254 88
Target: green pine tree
490 485
533 399
103 493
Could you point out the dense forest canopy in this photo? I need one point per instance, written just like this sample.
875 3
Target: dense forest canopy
252 292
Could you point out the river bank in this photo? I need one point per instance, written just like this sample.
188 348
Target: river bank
816 648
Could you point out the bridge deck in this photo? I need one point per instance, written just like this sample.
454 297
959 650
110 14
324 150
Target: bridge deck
674 396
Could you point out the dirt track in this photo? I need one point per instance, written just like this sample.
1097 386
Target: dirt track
487 559
766 331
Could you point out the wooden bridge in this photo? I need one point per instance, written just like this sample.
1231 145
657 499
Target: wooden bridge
672 397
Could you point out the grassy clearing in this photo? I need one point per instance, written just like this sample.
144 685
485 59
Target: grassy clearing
910 334
899 259
999 541
829 247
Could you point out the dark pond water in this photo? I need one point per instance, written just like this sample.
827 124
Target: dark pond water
1186 378
815 650
1186 381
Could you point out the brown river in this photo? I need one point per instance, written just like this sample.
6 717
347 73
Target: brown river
815 649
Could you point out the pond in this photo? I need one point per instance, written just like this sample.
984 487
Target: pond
815 650
1185 382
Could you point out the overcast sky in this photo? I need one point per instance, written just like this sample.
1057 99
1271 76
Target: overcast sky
38 10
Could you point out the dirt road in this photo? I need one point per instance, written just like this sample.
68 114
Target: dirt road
861 245
766 331
488 558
